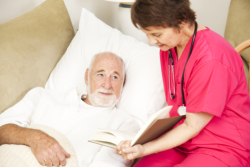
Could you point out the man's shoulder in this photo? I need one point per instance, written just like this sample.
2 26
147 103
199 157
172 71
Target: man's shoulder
34 93
36 90
51 95
41 90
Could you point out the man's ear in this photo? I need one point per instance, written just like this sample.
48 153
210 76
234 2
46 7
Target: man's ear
86 76
124 81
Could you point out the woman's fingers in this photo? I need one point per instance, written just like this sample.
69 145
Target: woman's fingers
126 144
121 145
127 152
118 147
128 157
133 152
131 156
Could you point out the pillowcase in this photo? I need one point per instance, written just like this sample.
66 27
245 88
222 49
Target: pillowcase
30 47
143 92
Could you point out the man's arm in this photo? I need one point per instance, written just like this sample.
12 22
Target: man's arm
13 134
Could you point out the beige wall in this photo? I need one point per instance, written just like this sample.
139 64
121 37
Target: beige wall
211 13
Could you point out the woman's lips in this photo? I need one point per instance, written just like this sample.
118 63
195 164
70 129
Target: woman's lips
161 45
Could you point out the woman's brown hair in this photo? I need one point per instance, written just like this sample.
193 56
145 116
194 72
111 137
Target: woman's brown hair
161 13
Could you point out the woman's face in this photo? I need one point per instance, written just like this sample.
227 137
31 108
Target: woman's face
165 38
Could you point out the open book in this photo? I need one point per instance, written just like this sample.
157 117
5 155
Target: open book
155 126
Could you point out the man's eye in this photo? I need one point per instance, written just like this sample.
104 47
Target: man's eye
115 77
101 75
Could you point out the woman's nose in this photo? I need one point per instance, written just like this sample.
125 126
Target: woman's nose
152 41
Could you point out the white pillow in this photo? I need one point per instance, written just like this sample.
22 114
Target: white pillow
143 93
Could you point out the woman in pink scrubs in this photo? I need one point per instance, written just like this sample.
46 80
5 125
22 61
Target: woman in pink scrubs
216 129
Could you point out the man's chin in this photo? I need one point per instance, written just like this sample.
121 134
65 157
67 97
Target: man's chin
104 105
103 102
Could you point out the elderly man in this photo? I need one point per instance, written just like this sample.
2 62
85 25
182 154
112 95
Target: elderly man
74 115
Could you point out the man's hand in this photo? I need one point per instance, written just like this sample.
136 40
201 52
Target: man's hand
127 152
48 151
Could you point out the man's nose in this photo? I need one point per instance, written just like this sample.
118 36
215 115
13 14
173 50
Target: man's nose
107 83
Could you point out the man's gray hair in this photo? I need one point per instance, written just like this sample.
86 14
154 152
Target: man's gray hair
107 53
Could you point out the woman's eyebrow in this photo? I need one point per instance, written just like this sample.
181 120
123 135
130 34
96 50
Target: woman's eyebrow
155 33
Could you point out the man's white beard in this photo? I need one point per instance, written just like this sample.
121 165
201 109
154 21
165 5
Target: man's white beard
98 100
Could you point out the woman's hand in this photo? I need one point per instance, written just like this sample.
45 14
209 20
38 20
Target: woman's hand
127 152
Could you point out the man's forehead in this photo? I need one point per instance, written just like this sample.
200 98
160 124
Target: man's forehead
106 57
107 63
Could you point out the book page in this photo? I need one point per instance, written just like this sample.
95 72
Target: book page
107 137
121 135
107 144
111 138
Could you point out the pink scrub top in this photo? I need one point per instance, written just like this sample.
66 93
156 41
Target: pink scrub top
214 82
